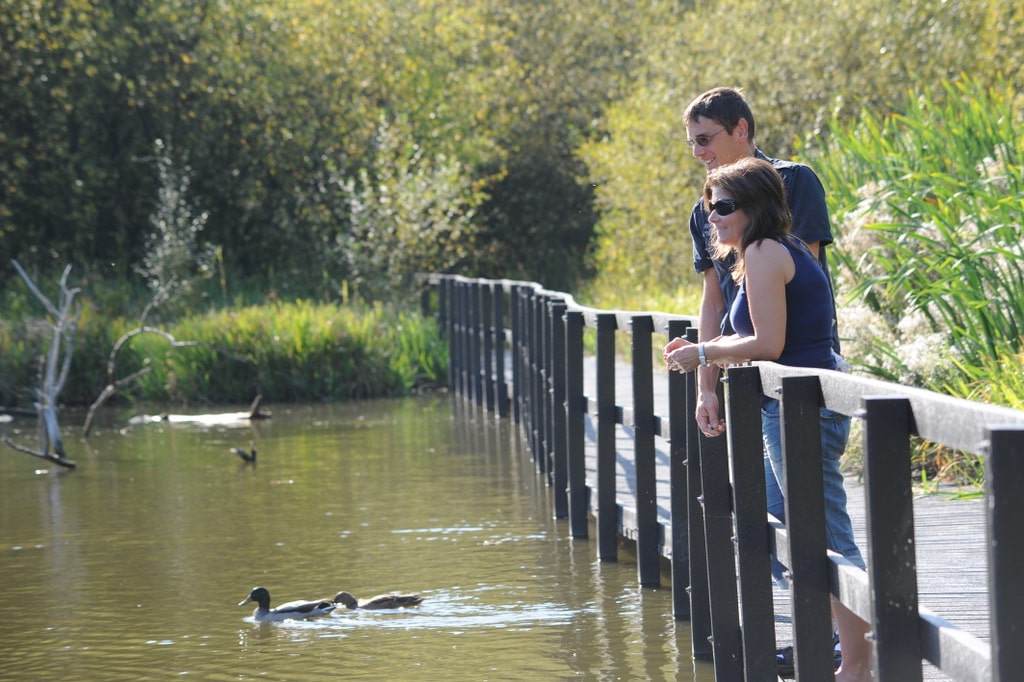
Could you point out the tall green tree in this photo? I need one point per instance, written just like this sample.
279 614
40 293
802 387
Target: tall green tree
571 60
798 63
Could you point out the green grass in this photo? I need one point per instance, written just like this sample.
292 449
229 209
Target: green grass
300 351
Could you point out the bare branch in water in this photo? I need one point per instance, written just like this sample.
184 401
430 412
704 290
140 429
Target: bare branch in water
67 463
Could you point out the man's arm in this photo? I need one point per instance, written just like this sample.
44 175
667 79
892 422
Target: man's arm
709 326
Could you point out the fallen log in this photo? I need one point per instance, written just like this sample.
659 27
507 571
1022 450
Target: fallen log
255 413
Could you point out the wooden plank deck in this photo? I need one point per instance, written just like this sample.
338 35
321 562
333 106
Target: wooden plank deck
951 544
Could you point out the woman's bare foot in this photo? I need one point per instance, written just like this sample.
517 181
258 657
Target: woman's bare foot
842 675
853 632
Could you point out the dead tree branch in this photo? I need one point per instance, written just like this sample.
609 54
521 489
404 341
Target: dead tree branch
109 391
114 385
64 321
128 335
67 463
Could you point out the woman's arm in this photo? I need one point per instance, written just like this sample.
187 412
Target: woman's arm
768 268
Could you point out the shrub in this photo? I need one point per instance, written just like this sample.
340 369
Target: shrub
293 352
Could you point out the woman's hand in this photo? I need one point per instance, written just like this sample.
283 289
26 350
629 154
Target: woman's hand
682 356
707 414
677 354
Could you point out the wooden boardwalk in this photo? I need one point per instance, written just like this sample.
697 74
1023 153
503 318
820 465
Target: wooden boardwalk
950 534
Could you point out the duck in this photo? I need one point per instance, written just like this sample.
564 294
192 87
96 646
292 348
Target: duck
381 601
289 610
246 455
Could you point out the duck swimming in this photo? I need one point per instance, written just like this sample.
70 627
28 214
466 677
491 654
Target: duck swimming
381 601
289 610
246 455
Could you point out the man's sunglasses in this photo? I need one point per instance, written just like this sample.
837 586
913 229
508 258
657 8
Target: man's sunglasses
702 140
723 206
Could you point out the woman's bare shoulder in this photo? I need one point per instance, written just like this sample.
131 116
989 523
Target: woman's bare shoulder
767 256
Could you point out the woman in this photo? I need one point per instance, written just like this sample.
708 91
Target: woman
783 313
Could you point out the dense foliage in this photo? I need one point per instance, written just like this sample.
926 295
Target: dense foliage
282 120
195 155
803 66
928 205
316 145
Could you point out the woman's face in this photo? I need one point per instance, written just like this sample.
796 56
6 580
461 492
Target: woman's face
728 220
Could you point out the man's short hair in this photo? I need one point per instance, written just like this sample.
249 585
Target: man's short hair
723 105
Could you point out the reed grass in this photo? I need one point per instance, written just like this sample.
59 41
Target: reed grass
928 205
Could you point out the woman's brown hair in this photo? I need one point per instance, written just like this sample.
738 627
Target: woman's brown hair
757 189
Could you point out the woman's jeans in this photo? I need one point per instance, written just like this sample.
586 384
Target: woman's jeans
835 431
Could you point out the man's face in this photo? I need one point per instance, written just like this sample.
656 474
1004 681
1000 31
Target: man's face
715 146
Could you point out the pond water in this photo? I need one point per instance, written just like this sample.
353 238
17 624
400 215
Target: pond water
131 566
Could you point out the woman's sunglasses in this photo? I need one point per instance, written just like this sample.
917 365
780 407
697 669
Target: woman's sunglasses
723 206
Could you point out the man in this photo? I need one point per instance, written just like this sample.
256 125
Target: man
720 129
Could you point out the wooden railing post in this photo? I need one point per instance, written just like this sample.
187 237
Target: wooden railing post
678 497
805 519
462 302
487 336
607 509
721 567
645 464
498 329
700 598
888 425
425 294
545 387
535 404
746 446
1004 481
446 311
575 411
515 304
476 383
556 406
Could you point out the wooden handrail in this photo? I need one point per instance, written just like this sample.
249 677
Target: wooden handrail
543 332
